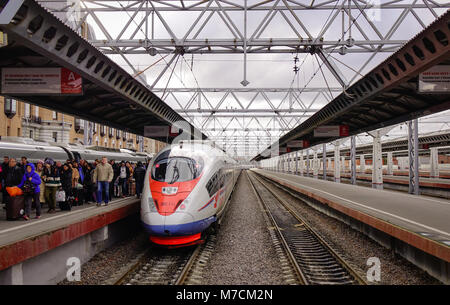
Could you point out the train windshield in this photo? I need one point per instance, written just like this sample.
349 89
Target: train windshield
176 169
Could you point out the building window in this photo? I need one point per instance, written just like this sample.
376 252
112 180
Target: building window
55 137
31 134
54 115
19 134
8 131
27 110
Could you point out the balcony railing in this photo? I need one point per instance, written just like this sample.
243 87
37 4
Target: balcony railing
33 119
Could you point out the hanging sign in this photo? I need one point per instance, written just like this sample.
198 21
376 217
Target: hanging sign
331 131
436 79
298 144
40 81
156 131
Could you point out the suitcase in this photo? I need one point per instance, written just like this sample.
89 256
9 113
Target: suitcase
65 205
15 208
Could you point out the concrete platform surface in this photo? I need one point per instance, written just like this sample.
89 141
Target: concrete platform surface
21 240
417 220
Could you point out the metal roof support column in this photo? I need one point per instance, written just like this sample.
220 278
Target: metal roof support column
353 159
307 163
362 164
343 168
377 164
390 164
315 164
289 163
337 167
434 164
413 156
301 163
377 161
324 161
296 162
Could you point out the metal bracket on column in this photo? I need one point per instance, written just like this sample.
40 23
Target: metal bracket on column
413 156
353 159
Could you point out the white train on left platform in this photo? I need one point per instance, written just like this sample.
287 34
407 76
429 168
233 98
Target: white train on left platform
186 189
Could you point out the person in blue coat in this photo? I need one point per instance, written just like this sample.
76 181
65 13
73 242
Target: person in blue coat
33 178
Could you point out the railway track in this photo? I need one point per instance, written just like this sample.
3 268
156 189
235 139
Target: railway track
159 266
312 258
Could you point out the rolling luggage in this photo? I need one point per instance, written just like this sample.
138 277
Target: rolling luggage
65 205
15 207
132 188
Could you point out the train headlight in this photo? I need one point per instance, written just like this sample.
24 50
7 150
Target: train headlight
151 205
184 204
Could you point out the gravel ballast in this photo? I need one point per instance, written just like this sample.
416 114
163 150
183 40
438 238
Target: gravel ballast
105 264
243 253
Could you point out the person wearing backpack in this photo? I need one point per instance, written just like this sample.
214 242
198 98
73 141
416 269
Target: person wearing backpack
30 186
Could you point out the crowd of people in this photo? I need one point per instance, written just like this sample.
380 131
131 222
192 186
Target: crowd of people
61 185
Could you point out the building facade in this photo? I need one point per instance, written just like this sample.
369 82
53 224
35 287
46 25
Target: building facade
19 119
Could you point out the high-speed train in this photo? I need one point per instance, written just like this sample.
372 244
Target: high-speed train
35 151
186 189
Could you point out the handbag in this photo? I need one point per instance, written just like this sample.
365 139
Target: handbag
60 196
28 188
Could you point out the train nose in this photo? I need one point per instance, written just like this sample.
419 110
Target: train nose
178 223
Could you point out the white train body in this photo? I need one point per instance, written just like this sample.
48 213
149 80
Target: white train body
185 191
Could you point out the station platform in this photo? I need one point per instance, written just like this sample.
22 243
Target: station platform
418 221
21 240
399 178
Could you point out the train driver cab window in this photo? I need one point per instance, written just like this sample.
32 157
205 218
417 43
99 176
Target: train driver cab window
176 169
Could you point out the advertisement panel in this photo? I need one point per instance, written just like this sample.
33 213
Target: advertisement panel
435 79
40 81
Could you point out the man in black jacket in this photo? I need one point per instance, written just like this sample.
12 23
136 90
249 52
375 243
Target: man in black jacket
15 173
13 176
5 166
139 176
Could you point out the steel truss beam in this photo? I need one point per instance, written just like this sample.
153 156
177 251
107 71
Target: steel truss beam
394 81
191 41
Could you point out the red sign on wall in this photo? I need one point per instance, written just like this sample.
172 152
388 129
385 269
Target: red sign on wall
71 82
